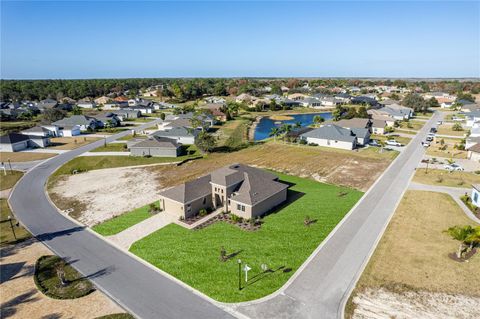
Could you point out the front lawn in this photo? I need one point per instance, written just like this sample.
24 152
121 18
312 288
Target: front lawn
9 180
283 243
70 143
120 223
412 125
6 233
23 156
441 177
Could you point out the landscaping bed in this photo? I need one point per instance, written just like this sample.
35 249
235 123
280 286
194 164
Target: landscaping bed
250 225
47 278
468 202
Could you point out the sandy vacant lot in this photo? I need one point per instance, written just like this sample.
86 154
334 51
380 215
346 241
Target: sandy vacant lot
376 304
101 194
410 268
21 299
106 193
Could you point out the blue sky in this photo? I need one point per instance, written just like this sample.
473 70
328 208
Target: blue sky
221 39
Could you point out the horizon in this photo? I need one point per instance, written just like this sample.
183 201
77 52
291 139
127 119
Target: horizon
122 40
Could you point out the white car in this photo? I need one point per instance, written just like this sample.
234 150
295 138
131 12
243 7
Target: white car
439 122
426 144
392 143
453 167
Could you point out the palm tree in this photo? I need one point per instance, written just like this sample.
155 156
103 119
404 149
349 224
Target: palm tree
317 119
274 132
298 125
461 234
474 238
286 128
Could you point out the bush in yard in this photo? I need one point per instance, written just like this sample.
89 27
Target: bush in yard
153 209
389 129
236 219
302 142
439 179
313 144
457 127
202 212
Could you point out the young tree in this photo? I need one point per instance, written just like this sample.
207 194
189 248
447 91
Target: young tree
206 142
317 119
275 131
462 234
338 113
457 127
76 110
433 102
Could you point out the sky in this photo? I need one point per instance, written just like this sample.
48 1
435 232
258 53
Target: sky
88 39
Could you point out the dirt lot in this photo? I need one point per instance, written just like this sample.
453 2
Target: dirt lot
70 143
21 299
410 273
98 195
105 193
23 156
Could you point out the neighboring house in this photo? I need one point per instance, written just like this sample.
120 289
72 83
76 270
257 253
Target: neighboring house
472 117
38 131
331 135
181 134
215 100
245 98
446 104
15 142
395 112
163 105
102 100
473 152
470 107
114 105
82 121
47 104
68 131
124 114
86 104
360 127
216 110
364 100
476 195
156 146
245 191
185 120
470 141
144 109
108 116
438 96
297 96
344 97
378 126
311 102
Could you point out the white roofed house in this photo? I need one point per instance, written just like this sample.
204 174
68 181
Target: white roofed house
331 135
86 104
472 117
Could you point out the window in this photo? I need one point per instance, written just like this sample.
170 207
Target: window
243 208
475 197
204 200
239 207
222 190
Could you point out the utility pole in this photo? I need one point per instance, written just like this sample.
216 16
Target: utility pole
239 274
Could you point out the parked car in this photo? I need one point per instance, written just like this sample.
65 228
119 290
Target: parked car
426 144
392 143
457 119
453 167
429 138
374 143
439 122
433 130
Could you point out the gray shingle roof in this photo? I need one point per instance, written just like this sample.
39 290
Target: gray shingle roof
156 142
179 131
331 132
13 138
190 191
75 120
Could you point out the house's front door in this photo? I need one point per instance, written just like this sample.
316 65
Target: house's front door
218 201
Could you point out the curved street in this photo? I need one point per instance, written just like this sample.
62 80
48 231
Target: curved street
141 290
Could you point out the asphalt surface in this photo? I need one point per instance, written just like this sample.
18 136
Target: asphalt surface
137 287
322 288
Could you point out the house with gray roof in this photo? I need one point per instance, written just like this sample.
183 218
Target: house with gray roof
181 134
243 190
331 135
82 121
156 146
14 142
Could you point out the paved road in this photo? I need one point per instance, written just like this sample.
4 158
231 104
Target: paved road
141 290
323 287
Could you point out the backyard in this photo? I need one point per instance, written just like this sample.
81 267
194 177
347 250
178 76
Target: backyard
410 269
282 243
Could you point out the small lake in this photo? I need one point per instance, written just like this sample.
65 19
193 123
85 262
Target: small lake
262 131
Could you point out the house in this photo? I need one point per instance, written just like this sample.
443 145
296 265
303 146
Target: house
108 117
215 100
144 108
69 130
471 140
124 115
476 195
183 135
446 104
156 146
344 97
393 111
82 121
360 127
438 96
470 107
102 100
38 131
297 96
14 142
114 105
473 152
86 104
364 100
46 104
472 117
331 135
378 126
185 120
245 98
245 191
311 102
163 105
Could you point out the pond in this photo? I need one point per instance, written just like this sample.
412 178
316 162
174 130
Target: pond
262 131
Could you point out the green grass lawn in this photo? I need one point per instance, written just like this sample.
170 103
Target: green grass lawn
412 125
111 147
283 243
6 234
15 126
87 163
9 180
117 224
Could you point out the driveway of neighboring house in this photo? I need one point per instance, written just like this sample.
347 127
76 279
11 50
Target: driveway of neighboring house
468 165
454 192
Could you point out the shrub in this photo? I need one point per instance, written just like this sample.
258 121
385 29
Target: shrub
389 129
202 212
147 156
236 219
439 179
477 172
302 142
312 144
457 127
